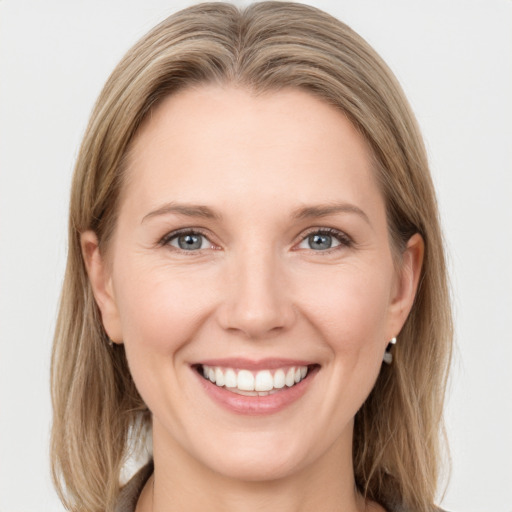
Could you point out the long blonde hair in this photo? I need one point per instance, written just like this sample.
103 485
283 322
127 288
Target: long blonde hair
98 413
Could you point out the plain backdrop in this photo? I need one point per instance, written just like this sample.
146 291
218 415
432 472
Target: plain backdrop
454 60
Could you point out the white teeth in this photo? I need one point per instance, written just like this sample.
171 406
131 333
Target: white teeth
230 378
279 379
260 383
264 381
245 380
219 377
290 377
244 393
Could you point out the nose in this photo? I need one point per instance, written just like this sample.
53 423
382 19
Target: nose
257 302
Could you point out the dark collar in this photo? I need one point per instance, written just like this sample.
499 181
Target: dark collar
129 495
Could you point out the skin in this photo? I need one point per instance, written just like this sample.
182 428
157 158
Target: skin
256 289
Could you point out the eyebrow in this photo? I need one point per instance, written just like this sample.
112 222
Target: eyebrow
325 210
302 213
189 210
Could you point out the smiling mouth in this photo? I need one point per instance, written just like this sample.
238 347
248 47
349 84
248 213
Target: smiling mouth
255 383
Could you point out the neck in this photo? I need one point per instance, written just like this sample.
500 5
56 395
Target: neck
180 482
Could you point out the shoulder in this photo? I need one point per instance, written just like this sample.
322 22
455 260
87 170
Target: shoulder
129 494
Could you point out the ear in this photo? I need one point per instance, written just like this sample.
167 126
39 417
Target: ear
101 283
407 282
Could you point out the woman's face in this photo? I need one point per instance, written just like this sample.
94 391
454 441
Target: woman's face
252 247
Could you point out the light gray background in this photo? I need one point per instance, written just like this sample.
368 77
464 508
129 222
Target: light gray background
454 60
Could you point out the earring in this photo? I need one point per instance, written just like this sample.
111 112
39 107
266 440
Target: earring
388 356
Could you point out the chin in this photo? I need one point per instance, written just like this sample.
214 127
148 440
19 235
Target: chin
256 459
256 469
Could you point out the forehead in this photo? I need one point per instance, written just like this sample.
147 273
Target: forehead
224 143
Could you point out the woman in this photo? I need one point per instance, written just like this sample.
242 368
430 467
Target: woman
255 275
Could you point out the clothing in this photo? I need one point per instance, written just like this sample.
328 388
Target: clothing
129 495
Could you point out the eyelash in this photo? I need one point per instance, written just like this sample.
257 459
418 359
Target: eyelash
343 239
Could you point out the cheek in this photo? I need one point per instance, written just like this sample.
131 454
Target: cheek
161 310
349 305
350 314
160 307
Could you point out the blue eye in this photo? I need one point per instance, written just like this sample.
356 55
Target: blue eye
189 241
320 242
323 240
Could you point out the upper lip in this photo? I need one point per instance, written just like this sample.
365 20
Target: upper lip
251 364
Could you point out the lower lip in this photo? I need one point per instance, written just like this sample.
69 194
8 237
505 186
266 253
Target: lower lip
257 405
